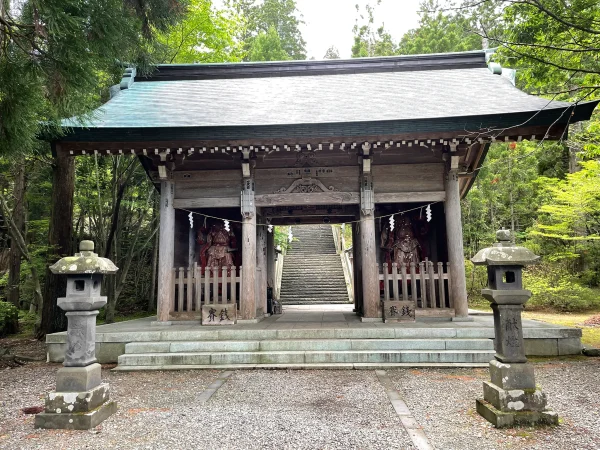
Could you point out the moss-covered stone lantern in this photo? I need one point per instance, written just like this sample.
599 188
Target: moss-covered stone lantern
511 398
81 399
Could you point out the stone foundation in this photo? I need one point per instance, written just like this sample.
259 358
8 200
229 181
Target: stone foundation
502 419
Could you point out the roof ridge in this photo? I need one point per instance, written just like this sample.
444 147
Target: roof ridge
400 63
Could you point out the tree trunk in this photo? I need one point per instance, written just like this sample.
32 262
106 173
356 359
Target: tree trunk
18 216
60 237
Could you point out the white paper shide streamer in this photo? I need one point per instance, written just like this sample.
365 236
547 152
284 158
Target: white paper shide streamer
191 217
392 222
428 212
290 236
226 223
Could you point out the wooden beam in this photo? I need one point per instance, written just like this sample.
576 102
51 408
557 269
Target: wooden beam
410 197
319 198
189 203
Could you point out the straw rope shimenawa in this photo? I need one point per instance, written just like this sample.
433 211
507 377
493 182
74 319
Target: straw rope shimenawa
267 224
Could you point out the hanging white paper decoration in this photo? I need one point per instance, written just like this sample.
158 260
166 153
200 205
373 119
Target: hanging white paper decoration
226 223
191 217
270 228
392 222
343 227
428 213
290 236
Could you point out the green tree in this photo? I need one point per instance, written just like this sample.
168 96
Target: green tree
332 53
369 42
56 56
204 35
568 226
439 32
281 15
267 46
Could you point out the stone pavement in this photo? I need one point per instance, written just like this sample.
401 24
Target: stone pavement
305 409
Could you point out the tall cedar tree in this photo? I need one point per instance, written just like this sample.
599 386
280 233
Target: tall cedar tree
54 55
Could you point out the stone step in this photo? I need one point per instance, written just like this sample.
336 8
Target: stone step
291 295
315 302
308 345
310 357
410 330
316 295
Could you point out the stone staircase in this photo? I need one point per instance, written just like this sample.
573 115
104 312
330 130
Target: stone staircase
306 348
312 269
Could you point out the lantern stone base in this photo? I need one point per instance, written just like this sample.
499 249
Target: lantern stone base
78 379
506 408
76 421
502 419
76 410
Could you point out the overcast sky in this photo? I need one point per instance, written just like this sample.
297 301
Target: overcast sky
330 22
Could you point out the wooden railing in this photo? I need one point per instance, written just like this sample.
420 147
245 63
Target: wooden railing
426 283
192 289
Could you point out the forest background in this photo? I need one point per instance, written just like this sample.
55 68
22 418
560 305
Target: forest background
59 58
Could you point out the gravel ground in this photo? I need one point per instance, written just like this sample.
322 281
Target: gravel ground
303 409
443 402
254 409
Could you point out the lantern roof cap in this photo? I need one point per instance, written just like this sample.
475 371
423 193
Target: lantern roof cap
85 262
505 253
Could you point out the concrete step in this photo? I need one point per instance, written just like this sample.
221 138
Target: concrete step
306 366
310 357
308 345
314 296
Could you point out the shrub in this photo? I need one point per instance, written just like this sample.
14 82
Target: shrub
9 319
554 287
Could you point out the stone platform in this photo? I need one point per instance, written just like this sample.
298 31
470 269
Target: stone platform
313 336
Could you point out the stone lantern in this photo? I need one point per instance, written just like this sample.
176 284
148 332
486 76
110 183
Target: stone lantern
511 398
81 399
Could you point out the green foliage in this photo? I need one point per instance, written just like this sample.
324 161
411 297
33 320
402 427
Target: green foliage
281 238
332 53
568 224
204 35
267 46
476 277
9 319
369 42
55 54
553 45
260 17
439 32
508 191
554 287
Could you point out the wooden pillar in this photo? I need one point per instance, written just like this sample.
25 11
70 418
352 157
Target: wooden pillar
368 245
271 260
456 256
357 269
261 263
247 297
166 253
370 273
248 294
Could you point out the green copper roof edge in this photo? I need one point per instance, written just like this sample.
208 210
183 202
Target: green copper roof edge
470 59
571 114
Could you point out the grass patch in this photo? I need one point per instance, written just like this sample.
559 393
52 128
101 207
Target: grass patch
479 303
101 320
590 335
